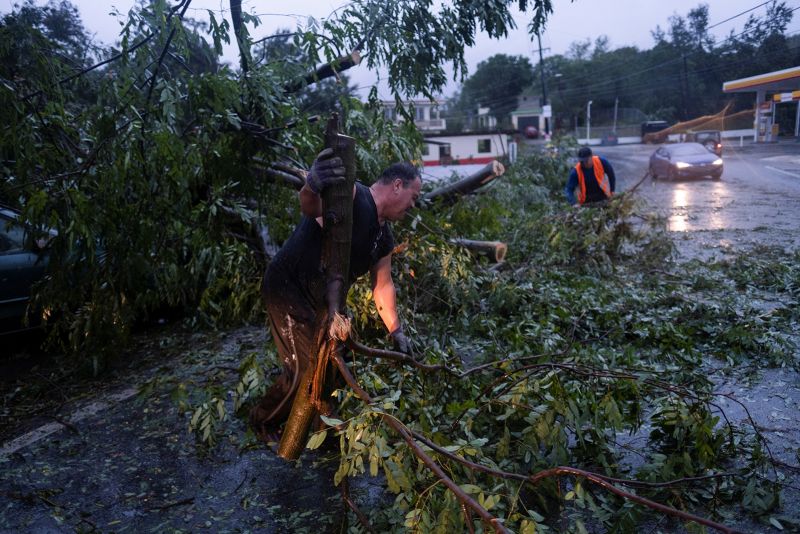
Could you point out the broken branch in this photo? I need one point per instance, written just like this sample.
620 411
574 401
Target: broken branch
408 437
495 251
326 71
492 170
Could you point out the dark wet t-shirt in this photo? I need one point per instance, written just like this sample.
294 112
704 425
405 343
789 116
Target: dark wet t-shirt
294 276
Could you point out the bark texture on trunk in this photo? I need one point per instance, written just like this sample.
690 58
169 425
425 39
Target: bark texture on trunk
492 170
337 213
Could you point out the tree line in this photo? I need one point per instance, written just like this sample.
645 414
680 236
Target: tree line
680 77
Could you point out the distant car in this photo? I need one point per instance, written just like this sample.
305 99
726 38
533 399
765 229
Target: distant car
711 139
23 259
531 132
685 160
651 131
610 139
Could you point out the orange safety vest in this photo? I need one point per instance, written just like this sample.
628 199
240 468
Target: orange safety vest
600 176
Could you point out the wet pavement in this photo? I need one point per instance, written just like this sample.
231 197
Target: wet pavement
119 461
757 201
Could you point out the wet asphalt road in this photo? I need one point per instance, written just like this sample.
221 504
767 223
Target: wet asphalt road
757 201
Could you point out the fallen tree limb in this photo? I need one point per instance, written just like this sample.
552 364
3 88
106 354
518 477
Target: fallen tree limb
326 71
345 487
408 437
355 346
595 478
495 251
492 170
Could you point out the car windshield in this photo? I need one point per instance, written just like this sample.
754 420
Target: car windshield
688 150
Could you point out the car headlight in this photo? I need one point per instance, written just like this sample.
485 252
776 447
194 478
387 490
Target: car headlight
682 165
718 161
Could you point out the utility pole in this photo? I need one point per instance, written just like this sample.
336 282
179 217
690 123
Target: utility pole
588 120
616 106
544 87
685 91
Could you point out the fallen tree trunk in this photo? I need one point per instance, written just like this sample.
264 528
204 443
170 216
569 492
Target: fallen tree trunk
492 170
332 326
495 251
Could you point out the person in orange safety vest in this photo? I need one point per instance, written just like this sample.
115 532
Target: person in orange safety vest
594 178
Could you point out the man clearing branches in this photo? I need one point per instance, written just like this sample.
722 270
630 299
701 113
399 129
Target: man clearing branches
594 177
294 286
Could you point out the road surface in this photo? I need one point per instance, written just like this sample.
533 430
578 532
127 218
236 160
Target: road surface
757 201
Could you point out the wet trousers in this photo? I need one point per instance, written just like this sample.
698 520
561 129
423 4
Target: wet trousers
294 329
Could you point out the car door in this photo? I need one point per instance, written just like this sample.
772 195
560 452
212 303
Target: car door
20 267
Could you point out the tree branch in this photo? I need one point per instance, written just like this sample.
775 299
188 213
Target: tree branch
595 478
345 487
241 34
185 5
325 71
355 346
407 436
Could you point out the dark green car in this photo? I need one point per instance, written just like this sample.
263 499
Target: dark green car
23 259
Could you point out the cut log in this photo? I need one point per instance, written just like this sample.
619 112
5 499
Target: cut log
337 231
492 170
495 251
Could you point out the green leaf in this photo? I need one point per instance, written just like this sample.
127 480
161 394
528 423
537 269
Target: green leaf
316 439
331 421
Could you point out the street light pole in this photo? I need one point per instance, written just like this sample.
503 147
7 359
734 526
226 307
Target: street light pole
588 120
544 87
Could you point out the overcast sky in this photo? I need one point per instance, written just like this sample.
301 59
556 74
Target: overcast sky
625 22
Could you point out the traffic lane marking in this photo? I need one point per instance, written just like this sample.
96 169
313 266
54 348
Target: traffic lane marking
788 173
43 431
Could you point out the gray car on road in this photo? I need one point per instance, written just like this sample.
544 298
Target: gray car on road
685 160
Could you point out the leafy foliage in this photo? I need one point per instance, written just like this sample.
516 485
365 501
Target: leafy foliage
580 351
574 352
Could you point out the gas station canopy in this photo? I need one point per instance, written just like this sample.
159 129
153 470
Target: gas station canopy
779 81
782 85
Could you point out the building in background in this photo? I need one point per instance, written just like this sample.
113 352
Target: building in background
464 148
442 147
427 114
529 113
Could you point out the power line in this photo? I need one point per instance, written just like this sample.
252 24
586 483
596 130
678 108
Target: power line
679 59
666 80
738 15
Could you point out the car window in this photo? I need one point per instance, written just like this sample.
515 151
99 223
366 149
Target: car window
12 237
688 150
